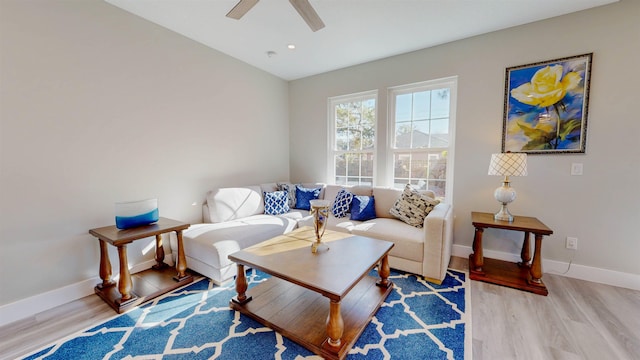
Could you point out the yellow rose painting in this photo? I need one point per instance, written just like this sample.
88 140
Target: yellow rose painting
546 106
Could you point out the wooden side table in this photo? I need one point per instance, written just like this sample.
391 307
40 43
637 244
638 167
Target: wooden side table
148 284
525 275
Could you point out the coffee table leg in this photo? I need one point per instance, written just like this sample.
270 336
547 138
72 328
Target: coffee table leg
335 325
241 287
384 272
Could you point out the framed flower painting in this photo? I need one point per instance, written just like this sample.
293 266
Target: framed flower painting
546 106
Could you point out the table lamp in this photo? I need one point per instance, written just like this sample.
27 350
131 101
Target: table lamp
507 164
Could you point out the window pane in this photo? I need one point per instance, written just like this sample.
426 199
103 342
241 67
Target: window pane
419 165
403 135
342 116
342 139
440 103
420 134
437 167
354 139
401 165
367 165
340 165
421 105
353 165
403 107
438 187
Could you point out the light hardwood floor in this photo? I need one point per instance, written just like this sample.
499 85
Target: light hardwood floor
578 320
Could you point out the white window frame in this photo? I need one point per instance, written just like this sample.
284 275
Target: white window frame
331 149
452 84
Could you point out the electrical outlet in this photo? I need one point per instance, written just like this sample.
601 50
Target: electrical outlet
576 169
572 243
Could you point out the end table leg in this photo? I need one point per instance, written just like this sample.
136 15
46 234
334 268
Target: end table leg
536 266
241 287
477 258
181 266
335 324
105 266
159 253
525 254
384 272
124 283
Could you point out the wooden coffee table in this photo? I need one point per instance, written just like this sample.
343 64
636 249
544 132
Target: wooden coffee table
322 301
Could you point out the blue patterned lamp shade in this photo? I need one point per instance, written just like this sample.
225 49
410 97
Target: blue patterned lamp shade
136 213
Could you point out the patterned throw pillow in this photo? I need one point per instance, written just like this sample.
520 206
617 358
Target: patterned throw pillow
291 190
363 208
342 203
276 203
412 207
304 195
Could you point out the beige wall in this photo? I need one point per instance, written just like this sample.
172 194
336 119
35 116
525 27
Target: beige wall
600 208
99 106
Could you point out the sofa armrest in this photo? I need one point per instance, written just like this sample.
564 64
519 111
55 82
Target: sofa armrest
438 241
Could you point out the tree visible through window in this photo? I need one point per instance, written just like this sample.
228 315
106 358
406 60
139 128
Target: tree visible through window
353 143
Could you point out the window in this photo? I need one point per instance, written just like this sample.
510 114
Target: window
421 126
352 136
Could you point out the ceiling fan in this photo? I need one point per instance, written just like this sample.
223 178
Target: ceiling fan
302 7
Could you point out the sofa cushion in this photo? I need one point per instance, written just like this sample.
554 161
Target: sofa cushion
304 195
342 203
276 202
291 191
412 207
226 204
363 208
408 240
385 199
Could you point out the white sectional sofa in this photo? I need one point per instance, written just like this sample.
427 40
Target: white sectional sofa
234 219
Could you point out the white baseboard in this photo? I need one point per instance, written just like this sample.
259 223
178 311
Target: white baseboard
576 271
25 308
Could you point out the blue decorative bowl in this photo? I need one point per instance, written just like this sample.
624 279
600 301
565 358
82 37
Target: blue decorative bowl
136 213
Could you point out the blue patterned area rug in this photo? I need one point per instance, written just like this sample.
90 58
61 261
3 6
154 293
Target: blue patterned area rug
418 320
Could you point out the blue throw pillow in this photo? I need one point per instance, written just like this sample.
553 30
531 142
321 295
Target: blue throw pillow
304 195
342 203
276 203
363 208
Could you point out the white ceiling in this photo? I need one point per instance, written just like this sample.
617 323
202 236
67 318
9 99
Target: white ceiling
357 31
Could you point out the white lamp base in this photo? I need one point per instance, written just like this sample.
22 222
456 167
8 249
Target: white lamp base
503 214
504 194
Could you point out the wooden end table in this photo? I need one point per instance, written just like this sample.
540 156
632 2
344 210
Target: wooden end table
149 283
525 275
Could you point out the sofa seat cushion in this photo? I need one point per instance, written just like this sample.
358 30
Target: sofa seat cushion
212 243
408 240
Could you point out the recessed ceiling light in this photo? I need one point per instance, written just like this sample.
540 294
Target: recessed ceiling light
291 46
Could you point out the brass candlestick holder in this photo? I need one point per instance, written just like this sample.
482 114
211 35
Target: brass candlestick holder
320 212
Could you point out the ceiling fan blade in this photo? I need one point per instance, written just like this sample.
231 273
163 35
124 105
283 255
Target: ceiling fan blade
308 14
241 8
